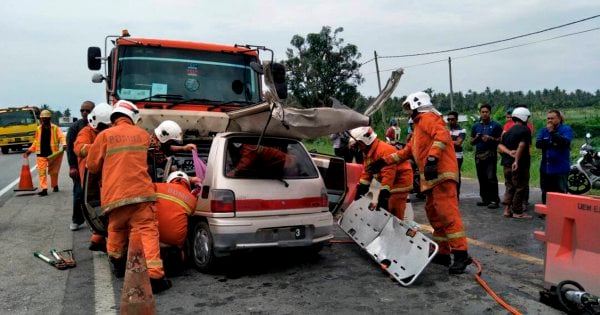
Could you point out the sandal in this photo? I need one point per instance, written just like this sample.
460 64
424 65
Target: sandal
522 216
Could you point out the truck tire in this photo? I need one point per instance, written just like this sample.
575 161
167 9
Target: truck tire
4 150
201 250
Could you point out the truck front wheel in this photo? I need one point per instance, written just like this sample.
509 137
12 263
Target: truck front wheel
202 250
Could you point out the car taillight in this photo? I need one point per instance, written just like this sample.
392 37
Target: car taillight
223 200
324 198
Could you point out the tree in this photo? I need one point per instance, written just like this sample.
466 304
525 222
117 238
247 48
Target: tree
321 66
67 112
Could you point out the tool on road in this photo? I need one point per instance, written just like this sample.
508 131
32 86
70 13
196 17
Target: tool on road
57 264
64 257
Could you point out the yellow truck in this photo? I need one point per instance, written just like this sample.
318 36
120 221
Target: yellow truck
17 127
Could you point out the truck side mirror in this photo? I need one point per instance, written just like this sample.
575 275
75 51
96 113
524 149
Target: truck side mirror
94 58
278 71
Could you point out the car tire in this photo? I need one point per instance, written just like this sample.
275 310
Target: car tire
202 252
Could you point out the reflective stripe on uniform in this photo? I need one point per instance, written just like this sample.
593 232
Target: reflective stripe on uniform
178 201
135 148
456 235
439 144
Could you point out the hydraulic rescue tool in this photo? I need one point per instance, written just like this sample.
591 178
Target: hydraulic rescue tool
62 260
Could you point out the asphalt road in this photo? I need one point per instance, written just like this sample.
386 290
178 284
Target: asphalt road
342 279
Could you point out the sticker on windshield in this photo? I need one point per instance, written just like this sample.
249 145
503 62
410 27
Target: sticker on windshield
192 84
192 70
159 88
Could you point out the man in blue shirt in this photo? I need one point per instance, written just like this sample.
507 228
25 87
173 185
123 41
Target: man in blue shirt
555 142
485 136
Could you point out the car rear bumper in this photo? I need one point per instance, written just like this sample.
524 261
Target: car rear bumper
231 234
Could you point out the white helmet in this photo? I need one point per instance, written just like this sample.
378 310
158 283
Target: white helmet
128 109
179 175
168 130
416 100
364 134
521 113
100 114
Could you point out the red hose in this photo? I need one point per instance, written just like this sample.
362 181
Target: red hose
491 292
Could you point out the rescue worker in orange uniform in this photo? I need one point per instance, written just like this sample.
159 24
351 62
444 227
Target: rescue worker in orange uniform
98 120
396 180
433 150
163 143
48 145
174 203
127 194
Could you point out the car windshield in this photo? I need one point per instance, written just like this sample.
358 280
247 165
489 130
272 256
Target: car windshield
183 75
273 159
14 118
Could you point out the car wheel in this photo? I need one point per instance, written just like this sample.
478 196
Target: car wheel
202 250
4 150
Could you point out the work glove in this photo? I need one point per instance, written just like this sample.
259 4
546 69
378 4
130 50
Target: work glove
376 166
384 199
74 173
361 190
431 168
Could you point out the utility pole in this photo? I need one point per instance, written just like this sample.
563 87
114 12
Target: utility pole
450 73
377 70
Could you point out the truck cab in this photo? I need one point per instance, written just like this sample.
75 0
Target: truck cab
17 127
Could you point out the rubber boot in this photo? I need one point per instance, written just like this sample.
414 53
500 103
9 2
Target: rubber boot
118 266
159 285
442 259
461 261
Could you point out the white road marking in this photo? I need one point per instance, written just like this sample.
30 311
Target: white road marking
103 287
16 181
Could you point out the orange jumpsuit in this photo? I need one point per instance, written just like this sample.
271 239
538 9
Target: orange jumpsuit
397 178
85 138
51 165
431 138
174 203
128 194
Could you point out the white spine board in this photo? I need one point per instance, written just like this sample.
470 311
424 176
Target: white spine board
401 250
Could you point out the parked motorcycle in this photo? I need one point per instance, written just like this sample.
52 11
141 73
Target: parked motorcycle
585 173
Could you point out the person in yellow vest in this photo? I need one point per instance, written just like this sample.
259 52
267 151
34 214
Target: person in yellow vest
48 145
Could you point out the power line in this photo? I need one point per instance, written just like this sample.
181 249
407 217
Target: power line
492 42
491 51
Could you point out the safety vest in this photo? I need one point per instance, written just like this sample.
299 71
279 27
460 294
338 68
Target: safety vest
57 137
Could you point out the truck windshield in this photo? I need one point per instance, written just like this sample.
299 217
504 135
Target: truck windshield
14 118
273 159
186 76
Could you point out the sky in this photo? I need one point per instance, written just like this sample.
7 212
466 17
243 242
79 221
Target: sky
44 43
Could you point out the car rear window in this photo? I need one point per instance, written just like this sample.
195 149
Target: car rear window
274 158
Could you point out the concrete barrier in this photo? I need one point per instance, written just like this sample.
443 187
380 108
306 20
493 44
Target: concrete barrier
572 239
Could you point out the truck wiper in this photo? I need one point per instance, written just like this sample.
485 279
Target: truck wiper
193 100
165 96
236 103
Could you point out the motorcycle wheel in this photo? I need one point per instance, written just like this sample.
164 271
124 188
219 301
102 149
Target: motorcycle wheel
577 183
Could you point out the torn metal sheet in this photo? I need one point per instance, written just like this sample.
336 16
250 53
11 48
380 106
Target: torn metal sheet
399 248
299 123
203 122
385 94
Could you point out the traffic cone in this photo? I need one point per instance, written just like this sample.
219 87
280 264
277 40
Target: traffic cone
136 297
25 182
